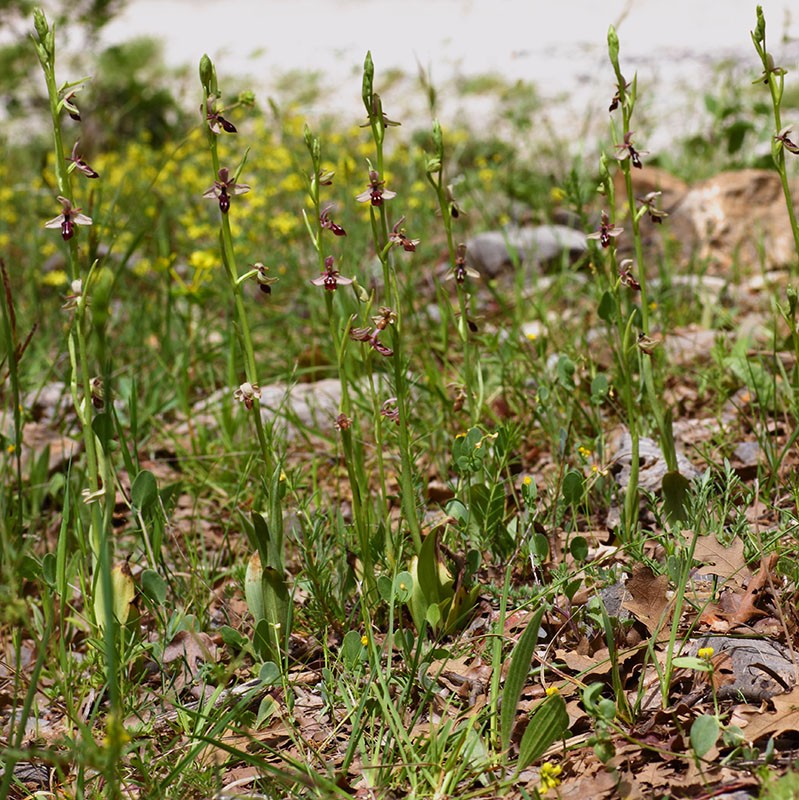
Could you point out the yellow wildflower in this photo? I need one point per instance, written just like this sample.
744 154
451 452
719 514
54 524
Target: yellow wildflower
705 653
58 277
549 776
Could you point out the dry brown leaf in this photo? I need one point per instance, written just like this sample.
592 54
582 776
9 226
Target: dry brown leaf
188 648
597 664
746 607
785 717
648 602
726 562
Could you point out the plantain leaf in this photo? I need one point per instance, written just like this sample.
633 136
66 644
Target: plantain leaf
548 723
675 496
520 661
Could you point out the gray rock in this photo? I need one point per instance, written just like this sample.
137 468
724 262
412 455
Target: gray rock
652 465
494 252
760 668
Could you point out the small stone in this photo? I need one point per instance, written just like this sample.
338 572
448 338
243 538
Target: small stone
494 252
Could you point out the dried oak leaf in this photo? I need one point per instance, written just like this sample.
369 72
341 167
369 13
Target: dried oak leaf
648 601
726 562
785 717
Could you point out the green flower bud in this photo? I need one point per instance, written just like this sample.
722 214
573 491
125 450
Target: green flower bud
759 34
208 75
438 140
40 25
360 293
613 47
368 83
792 302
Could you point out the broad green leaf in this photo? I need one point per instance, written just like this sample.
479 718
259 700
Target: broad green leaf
572 489
599 389
578 547
403 586
144 492
153 586
232 638
49 569
429 570
704 734
252 588
123 590
269 673
548 723
691 662
433 616
520 662
607 307
352 649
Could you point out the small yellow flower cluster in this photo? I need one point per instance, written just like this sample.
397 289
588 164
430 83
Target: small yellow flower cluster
705 653
549 776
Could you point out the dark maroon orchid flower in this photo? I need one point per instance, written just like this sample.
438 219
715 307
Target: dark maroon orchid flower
382 320
606 231
225 188
375 193
326 221
264 279
626 150
397 236
331 278
614 103
657 215
787 142
68 219
343 422
213 116
626 276
460 270
79 164
390 410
